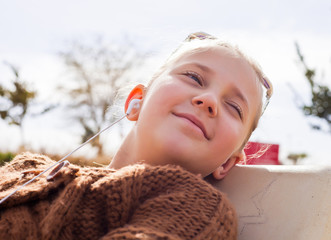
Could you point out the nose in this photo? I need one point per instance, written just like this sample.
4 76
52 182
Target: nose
207 102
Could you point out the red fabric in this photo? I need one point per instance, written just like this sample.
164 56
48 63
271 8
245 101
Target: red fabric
262 154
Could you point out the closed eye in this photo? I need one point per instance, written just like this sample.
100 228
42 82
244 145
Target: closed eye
237 108
196 77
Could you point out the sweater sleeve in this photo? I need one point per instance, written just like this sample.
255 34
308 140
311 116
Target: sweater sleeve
18 218
20 170
172 203
11 176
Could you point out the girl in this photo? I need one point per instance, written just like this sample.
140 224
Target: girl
192 120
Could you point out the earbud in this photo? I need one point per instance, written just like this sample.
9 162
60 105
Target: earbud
134 104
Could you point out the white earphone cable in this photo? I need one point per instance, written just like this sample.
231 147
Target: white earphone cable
134 104
64 158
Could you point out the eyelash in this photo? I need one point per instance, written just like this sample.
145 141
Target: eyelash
194 76
237 108
197 78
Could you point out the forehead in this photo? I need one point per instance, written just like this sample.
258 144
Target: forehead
198 46
222 52
218 59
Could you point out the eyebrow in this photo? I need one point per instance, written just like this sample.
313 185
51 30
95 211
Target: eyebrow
202 67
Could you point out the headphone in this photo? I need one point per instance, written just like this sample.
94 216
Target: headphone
134 104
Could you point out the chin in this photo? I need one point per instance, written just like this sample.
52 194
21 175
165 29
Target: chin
178 148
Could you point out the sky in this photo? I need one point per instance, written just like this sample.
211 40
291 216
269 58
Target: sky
32 33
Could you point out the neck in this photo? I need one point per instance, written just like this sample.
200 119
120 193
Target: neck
126 153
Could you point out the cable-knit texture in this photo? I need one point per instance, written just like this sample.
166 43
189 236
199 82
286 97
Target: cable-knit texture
135 202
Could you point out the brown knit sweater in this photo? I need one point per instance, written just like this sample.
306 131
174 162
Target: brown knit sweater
135 202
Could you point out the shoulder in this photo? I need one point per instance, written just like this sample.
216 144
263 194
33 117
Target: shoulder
178 198
162 176
174 180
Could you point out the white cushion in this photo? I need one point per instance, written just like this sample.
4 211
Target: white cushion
280 202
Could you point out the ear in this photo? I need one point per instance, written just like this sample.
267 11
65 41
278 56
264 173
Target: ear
137 92
223 170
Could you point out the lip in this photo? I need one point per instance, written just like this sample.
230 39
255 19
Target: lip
195 121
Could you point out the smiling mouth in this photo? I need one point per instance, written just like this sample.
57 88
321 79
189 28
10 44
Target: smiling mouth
193 120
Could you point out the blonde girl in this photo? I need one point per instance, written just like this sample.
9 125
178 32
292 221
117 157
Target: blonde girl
193 120
199 109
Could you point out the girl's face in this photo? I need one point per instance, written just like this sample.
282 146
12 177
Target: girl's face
198 112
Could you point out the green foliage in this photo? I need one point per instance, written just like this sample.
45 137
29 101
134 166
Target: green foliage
6 157
320 105
295 157
16 101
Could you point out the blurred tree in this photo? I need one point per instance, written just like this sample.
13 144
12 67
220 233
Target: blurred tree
98 72
320 105
16 101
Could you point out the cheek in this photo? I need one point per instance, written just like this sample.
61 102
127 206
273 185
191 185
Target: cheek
228 138
156 106
162 95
